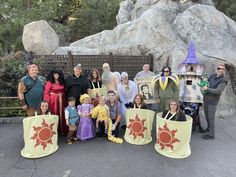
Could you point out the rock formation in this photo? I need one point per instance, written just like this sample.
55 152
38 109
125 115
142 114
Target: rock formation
164 28
39 38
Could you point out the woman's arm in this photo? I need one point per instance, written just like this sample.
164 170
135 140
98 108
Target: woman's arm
47 90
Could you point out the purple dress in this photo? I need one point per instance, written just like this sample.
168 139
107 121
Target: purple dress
86 128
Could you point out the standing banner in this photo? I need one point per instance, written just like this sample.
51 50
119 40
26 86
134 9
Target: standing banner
139 126
145 88
96 93
173 137
40 136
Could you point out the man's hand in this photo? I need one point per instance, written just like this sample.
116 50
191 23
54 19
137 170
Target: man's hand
158 100
204 88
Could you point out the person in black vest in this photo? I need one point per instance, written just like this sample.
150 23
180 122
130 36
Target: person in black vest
77 84
216 85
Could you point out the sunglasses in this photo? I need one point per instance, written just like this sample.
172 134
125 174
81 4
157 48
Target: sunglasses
220 68
166 71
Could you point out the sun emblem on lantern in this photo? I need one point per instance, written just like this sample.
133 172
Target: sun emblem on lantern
43 134
166 137
136 127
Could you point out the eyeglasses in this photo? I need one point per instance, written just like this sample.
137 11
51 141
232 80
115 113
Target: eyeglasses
166 71
220 68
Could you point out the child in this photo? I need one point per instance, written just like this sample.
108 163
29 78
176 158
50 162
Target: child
71 116
43 109
86 128
203 82
101 112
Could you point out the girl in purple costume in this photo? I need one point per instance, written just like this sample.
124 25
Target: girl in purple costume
86 128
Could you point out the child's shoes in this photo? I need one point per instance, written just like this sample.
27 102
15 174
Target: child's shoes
69 141
106 131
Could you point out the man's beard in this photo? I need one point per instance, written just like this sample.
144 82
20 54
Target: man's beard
106 77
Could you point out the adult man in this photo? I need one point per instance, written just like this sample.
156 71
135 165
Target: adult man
145 72
30 90
115 112
145 91
127 90
108 78
77 84
217 83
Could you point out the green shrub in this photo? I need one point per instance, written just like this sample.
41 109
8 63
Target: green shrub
11 70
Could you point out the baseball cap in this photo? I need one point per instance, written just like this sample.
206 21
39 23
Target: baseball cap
124 74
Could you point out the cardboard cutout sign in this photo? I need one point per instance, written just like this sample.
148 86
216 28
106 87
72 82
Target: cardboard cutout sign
145 88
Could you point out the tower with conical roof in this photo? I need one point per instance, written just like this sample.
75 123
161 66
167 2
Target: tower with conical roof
190 71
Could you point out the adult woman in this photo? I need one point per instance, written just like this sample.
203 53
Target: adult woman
139 102
174 112
54 93
95 79
95 82
166 87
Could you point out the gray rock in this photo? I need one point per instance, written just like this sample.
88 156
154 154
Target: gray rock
75 51
164 28
124 13
39 38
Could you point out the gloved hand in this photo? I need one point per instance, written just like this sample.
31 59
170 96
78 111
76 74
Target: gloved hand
114 126
128 105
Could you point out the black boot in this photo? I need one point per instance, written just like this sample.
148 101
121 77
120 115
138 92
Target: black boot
201 130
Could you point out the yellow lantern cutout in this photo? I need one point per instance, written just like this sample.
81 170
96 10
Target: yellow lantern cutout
173 137
40 136
139 126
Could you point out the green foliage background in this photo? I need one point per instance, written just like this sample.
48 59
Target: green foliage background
11 70
91 16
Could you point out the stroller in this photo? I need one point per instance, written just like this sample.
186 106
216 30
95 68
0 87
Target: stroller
192 109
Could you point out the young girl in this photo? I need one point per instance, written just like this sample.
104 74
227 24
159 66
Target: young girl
43 109
101 112
86 128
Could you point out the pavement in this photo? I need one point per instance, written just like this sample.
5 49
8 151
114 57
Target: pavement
101 158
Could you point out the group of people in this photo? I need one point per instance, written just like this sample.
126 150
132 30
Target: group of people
86 116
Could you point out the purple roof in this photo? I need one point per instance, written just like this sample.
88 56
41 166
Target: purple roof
191 57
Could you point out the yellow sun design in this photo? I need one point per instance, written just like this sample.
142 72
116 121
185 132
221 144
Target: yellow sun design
166 137
137 127
43 135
